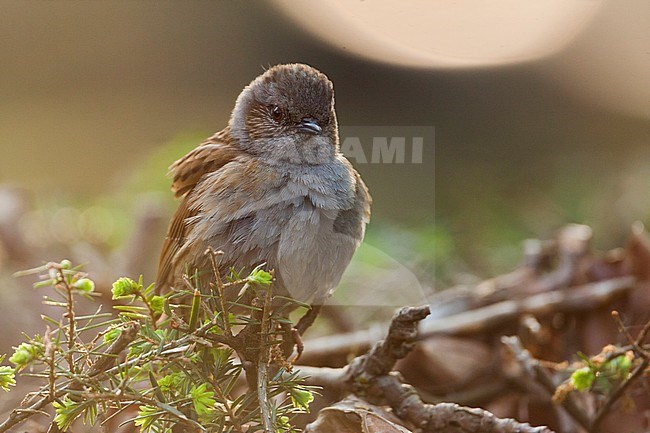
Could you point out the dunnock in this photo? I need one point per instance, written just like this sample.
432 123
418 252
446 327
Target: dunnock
272 187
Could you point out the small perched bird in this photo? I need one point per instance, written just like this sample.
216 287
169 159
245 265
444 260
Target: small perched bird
271 188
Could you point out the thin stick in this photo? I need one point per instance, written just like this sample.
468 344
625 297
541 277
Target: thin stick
262 369
604 411
219 285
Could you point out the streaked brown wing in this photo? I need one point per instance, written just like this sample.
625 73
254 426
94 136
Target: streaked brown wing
211 155
173 241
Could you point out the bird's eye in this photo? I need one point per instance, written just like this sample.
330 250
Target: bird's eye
276 113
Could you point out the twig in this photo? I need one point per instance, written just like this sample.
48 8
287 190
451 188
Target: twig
227 407
327 377
580 298
536 371
444 417
262 368
637 346
69 314
404 399
220 289
638 342
398 343
369 375
621 326
643 334
19 415
618 393
101 365
569 247
108 358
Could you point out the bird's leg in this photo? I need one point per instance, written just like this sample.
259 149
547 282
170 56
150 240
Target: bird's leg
300 346
294 334
291 339
308 319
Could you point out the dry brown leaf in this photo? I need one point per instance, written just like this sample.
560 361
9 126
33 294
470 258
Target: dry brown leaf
353 415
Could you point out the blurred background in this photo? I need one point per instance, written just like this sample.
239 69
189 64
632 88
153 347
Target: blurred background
541 112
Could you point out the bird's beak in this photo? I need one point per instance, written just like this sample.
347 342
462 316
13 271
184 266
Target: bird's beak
310 126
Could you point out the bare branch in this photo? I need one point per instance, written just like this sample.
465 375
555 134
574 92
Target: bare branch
535 370
575 299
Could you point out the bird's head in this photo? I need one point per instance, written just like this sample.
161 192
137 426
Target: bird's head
287 114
